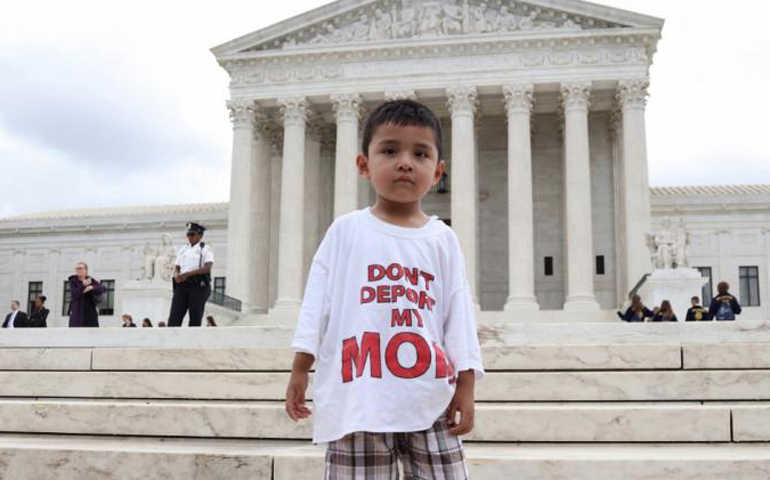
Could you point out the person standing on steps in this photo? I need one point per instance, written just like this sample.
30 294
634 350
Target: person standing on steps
192 279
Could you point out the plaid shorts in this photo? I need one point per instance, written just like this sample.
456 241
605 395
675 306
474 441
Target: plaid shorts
432 454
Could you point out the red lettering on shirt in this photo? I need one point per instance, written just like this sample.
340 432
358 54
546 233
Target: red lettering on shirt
367 294
423 355
443 366
401 318
376 273
351 354
428 278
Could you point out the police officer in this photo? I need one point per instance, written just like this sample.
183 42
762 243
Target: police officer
192 279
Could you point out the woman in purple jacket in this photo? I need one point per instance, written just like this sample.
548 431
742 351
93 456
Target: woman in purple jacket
86 294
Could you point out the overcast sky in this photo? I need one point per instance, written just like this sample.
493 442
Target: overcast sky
108 103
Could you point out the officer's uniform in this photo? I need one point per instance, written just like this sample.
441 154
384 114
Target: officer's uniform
192 293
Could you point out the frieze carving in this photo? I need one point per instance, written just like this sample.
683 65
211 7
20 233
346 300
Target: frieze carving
400 95
411 61
416 19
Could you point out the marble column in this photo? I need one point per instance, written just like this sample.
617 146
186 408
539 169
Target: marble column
295 111
521 230
462 105
347 111
247 242
615 132
766 299
312 193
577 196
275 137
632 97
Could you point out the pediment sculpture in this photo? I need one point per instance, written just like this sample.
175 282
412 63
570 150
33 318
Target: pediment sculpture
409 19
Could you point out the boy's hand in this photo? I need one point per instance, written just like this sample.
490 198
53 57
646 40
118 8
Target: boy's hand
463 402
295 391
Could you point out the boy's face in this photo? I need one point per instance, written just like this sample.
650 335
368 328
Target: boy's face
402 162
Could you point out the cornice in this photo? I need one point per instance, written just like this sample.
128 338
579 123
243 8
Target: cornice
471 44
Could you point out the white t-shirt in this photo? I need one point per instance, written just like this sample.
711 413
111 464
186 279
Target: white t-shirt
389 318
189 257
13 319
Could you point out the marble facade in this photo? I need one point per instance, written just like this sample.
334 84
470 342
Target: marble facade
542 101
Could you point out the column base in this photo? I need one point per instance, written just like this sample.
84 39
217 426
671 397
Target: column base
521 304
581 304
285 312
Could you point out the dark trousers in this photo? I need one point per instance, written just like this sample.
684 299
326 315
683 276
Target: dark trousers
188 296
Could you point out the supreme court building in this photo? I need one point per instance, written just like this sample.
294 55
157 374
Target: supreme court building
543 106
543 103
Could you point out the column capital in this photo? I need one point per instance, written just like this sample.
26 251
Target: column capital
241 112
347 106
461 100
518 97
633 92
576 95
400 95
294 110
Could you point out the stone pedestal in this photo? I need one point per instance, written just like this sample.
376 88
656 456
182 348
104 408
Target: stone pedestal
146 299
677 285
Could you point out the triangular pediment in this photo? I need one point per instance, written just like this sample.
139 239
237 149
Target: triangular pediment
346 22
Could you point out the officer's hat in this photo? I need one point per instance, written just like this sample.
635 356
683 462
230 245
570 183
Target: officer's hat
193 227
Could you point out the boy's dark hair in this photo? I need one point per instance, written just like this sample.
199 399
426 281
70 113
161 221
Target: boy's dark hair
402 113
696 298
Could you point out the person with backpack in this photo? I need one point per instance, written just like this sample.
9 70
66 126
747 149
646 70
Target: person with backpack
724 306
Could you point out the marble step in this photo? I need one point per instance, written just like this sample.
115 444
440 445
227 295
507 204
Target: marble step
726 356
507 333
628 422
530 357
38 457
663 385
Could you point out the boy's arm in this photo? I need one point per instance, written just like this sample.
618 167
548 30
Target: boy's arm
311 323
463 402
295 391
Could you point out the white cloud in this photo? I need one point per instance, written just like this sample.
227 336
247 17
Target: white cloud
117 103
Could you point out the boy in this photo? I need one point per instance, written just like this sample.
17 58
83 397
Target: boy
389 319
696 313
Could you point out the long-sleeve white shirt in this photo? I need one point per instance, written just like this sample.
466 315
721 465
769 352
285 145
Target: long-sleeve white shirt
389 318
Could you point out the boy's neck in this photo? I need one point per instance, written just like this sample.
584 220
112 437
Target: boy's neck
409 215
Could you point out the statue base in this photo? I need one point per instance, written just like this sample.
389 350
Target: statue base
677 285
147 299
